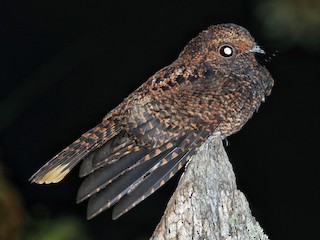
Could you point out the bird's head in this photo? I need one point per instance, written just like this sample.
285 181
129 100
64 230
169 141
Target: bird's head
221 45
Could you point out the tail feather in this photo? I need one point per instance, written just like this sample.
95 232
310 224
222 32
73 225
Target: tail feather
119 187
113 147
104 176
140 173
86 167
157 178
61 164
99 179
107 155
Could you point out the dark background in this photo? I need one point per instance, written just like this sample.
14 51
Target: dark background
65 64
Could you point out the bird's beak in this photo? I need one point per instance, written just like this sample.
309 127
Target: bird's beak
257 49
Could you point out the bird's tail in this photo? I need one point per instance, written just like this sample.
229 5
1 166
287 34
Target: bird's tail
134 176
61 164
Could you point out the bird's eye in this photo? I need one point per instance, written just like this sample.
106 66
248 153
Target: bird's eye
226 51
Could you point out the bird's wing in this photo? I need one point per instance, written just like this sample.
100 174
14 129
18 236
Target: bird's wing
154 139
61 164
135 150
159 176
142 172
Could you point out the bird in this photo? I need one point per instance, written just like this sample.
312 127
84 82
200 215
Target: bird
212 89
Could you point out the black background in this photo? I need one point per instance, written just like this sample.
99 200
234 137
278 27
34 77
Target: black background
64 65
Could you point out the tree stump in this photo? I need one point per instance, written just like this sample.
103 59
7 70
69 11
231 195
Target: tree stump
207 203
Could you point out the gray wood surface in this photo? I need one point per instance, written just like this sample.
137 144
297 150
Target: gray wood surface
207 203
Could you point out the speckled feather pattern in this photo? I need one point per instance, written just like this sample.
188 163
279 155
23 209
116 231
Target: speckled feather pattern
213 88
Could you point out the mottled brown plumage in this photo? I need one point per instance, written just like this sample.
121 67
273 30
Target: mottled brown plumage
213 88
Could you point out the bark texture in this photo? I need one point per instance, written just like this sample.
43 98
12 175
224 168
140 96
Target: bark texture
207 203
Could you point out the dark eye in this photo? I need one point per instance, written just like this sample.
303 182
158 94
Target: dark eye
226 51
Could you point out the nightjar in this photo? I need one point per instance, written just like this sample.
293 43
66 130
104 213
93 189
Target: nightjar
212 88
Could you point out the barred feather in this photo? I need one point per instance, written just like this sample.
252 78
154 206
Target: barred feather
61 164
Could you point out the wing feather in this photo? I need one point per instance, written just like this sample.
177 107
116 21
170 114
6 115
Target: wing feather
179 153
61 164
